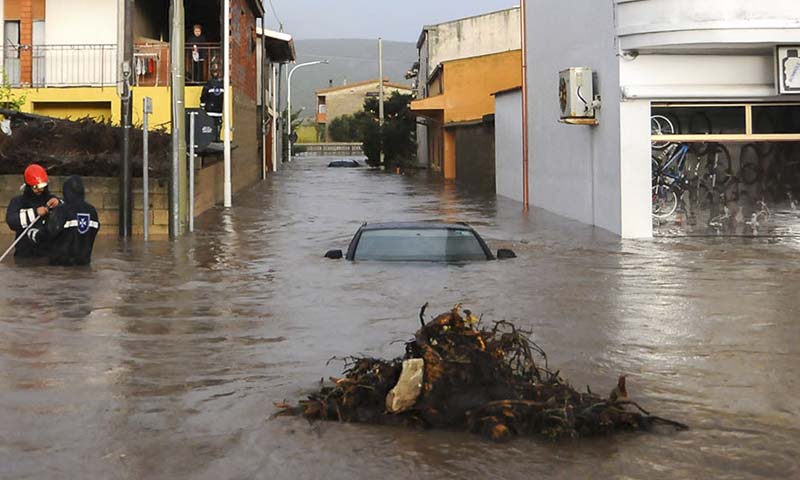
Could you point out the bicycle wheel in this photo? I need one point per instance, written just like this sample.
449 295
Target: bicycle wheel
665 201
749 164
699 124
661 125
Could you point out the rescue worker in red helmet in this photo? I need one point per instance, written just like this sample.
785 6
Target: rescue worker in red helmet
32 206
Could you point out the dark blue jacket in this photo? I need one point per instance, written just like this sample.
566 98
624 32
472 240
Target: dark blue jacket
72 227
21 213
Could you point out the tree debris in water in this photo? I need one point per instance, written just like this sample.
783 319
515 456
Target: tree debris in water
492 381
77 147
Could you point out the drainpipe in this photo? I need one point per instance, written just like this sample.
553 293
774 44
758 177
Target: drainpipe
525 133
226 87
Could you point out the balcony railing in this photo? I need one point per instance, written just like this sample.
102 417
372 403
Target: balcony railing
96 64
60 65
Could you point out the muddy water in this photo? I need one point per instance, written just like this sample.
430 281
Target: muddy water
164 360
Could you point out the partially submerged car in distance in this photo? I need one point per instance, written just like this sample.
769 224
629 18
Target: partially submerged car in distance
344 163
418 242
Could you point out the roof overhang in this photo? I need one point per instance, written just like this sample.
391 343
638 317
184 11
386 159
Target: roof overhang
429 107
280 46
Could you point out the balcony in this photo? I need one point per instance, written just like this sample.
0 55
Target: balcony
683 26
60 65
95 65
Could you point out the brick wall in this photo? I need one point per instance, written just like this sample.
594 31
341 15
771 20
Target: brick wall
243 54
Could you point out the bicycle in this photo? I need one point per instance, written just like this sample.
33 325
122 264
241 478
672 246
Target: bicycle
703 188
661 125
669 181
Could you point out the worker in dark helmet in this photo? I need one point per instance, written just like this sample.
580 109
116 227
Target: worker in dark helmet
69 234
33 206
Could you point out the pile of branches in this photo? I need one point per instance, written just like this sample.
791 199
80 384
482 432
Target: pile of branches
77 147
492 381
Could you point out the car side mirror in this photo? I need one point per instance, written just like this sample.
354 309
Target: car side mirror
334 254
505 254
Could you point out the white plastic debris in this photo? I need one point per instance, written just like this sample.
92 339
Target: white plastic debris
5 127
404 395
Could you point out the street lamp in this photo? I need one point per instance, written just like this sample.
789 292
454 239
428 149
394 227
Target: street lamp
289 99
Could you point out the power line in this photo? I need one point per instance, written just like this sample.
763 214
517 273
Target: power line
275 14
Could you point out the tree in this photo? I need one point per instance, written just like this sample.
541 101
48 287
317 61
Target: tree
399 131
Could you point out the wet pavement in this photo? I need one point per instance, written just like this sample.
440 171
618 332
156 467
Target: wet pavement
164 360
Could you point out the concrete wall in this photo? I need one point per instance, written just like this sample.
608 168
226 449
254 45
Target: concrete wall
475 165
684 25
508 144
470 37
103 193
575 169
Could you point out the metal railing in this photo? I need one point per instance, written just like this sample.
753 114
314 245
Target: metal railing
96 64
61 65
199 58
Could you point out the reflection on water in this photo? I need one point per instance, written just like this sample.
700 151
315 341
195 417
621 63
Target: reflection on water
164 360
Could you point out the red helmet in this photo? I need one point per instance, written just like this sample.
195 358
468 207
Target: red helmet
36 176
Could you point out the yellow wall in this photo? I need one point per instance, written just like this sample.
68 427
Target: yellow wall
307 134
470 83
96 102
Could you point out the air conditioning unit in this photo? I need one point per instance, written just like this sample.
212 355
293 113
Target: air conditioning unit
576 93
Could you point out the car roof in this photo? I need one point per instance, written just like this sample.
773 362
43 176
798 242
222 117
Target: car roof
416 226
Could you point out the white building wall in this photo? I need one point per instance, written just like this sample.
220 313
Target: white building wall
93 26
635 180
575 169
508 144
471 37
88 22
691 24
712 76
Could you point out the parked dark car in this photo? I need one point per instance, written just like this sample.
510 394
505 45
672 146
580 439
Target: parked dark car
344 164
418 242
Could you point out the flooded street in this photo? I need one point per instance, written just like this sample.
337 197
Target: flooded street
164 360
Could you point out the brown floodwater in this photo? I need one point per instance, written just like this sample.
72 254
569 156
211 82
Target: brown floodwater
164 360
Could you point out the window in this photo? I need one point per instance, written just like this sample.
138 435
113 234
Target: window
431 245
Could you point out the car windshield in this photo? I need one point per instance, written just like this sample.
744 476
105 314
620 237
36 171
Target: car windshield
426 245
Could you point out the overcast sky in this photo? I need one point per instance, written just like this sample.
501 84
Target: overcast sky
391 19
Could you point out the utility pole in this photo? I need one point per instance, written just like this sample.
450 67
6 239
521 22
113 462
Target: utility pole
177 203
125 185
380 95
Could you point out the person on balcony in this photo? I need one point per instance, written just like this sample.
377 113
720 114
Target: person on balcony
213 96
197 41
32 207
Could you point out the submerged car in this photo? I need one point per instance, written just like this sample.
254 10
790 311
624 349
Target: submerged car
344 164
418 242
